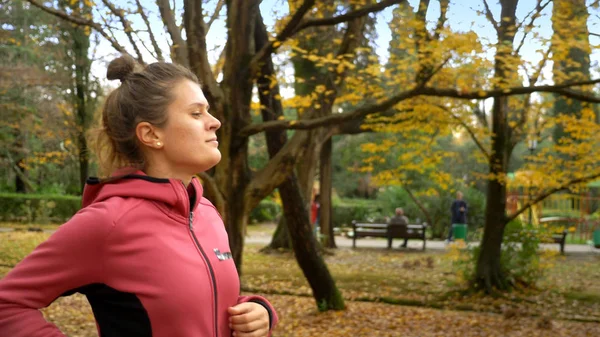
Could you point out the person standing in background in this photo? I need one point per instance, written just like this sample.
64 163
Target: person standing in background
458 209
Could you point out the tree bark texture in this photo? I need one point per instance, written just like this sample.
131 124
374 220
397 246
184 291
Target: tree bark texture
489 274
326 211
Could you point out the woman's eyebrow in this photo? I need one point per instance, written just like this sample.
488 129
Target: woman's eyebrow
200 104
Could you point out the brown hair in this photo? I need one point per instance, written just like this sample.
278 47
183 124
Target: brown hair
143 96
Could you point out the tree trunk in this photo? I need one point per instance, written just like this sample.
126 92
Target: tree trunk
489 274
235 223
488 270
234 175
295 212
20 186
326 177
281 237
325 292
306 170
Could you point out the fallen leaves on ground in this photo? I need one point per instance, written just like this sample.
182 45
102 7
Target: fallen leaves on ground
570 291
299 318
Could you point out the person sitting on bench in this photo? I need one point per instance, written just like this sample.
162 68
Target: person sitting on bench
400 220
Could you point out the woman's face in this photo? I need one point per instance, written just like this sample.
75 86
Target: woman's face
189 137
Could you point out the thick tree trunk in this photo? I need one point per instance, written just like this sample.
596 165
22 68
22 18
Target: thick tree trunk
325 292
84 162
326 178
20 186
281 237
235 175
306 170
489 274
235 223
295 212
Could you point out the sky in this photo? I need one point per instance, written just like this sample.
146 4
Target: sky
462 16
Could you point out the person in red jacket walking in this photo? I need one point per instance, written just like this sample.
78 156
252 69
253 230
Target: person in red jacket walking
149 252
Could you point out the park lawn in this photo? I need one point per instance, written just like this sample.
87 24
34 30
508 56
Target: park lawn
369 277
571 289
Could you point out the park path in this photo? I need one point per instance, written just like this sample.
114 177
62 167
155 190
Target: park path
263 238
416 245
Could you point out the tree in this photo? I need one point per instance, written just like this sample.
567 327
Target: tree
571 56
83 92
516 116
30 86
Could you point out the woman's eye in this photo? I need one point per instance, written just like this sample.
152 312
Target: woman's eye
196 113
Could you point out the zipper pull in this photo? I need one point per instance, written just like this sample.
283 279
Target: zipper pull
191 220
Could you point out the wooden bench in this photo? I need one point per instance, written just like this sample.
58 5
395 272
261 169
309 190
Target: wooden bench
560 236
391 232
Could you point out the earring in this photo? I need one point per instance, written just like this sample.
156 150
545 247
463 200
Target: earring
158 144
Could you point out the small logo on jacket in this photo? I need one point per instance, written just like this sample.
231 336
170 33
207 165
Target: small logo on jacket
222 256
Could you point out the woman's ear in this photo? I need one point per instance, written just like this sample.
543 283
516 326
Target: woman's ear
149 135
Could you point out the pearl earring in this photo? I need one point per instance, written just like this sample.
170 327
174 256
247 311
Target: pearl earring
158 144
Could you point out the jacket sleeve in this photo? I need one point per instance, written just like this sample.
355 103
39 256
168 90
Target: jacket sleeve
273 319
69 259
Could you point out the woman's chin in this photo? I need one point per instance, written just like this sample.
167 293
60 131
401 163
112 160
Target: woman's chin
210 162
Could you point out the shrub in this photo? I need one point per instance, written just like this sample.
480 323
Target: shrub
522 261
266 210
39 208
346 210
438 207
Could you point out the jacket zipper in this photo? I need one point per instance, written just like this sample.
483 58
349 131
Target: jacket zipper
210 269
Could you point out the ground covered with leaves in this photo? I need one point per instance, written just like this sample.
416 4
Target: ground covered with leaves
389 293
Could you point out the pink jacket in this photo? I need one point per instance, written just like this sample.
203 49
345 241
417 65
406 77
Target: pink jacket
151 256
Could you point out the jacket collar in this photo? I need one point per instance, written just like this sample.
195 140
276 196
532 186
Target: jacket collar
136 184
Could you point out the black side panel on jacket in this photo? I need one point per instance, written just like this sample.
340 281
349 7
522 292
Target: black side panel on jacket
118 314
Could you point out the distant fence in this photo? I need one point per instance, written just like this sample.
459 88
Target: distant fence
577 208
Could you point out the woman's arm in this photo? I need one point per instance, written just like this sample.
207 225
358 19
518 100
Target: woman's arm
69 259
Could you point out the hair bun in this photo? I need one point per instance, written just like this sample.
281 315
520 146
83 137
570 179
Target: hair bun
120 68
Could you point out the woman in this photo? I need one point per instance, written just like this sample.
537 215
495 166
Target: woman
148 251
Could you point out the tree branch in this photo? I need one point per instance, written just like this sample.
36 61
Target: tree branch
215 14
546 194
490 16
157 49
82 22
286 33
195 30
538 9
179 50
327 120
296 24
418 91
348 16
469 131
146 47
442 19
420 205
126 26
213 189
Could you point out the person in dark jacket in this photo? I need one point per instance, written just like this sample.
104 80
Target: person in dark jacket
458 211
399 219
149 252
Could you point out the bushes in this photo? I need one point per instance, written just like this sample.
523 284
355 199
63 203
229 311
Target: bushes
346 210
438 207
523 263
48 208
266 210
38 208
